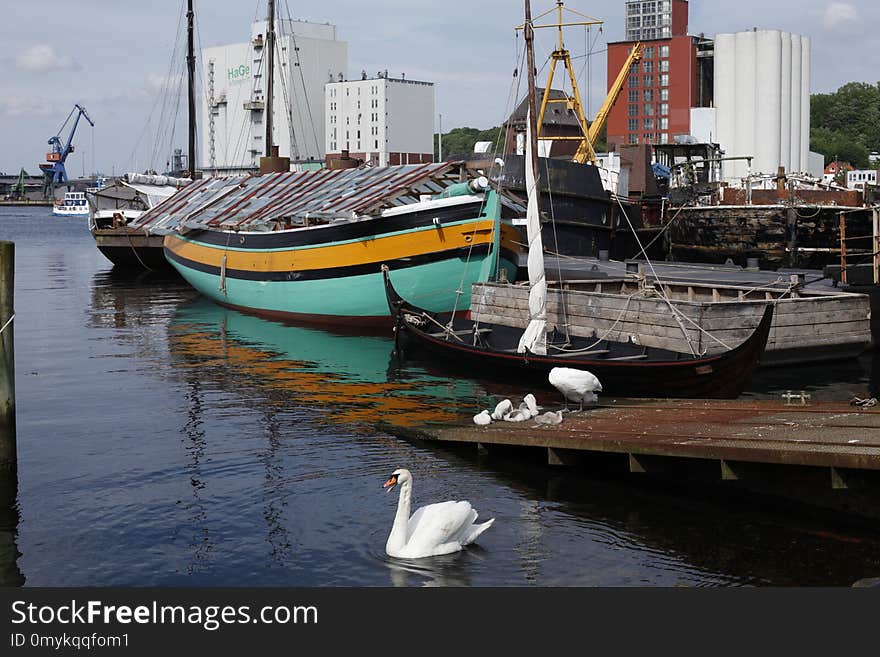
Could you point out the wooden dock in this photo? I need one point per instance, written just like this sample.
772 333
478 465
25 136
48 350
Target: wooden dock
823 454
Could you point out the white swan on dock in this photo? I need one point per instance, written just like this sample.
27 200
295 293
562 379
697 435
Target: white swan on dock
435 529
575 385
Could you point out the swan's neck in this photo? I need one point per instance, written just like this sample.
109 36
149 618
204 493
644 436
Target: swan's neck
397 537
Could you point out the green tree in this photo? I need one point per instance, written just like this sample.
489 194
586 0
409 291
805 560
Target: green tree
460 141
846 123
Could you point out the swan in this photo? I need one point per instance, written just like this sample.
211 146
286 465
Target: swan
575 385
502 409
531 404
483 418
435 529
550 418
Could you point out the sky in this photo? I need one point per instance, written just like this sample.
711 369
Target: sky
112 57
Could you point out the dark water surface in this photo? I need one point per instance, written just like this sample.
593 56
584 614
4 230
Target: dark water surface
164 440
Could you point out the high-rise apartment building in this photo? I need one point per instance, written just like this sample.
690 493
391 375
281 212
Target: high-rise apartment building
670 79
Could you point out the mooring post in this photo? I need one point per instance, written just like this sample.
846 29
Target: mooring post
843 248
7 360
10 575
875 229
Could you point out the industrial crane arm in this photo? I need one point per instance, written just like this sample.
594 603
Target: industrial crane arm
584 150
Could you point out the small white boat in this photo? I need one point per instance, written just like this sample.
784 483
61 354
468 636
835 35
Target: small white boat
73 205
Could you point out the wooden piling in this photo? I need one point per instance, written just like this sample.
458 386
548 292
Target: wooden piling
10 575
7 360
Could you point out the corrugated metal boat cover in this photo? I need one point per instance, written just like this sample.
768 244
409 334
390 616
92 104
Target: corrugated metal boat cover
251 202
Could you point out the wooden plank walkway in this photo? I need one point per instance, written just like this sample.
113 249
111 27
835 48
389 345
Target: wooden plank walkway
821 434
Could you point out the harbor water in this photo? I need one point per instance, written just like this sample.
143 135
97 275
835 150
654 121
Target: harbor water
164 440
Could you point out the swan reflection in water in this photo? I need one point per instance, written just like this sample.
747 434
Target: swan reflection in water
447 570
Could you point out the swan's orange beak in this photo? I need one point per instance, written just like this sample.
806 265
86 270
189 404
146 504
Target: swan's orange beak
388 485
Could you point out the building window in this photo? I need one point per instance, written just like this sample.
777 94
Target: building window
664 138
664 80
633 110
664 65
632 124
649 137
376 143
647 80
664 123
633 139
634 22
664 109
648 95
649 52
664 94
648 109
647 124
664 51
633 95
633 80
648 66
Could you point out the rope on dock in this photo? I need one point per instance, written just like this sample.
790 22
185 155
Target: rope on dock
8 322
863 403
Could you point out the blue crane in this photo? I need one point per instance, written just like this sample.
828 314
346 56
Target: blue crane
53 169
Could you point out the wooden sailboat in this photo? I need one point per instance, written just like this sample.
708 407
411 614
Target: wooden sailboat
116 218
624 368
308 246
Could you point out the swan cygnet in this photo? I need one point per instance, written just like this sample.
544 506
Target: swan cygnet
483 418
435 529
531 404
550 417
575 385
502 409
519 415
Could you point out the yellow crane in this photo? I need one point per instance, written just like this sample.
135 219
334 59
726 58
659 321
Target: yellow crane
590 132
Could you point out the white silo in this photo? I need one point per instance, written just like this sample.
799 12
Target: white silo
805 104
725 95
768 114
744 137
795 93
785 116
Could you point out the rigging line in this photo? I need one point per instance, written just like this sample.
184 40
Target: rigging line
302 80
565 322
662 230
675 312
165 89
288 104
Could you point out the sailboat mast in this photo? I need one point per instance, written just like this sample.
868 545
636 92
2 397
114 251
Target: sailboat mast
191 72
529 34
270 74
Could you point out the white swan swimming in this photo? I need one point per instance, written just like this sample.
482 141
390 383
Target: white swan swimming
432 530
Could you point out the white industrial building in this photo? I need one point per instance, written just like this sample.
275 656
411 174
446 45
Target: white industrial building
861 178
381 120
232 117
762 104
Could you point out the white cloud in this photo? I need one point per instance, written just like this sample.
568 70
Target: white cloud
839 15
43 58
16 106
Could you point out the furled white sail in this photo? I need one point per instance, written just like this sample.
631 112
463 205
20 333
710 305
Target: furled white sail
534 339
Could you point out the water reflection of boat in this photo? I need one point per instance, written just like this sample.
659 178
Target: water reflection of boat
347 377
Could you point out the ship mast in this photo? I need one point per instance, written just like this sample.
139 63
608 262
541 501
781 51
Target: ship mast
529 34
191 71
270 75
